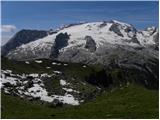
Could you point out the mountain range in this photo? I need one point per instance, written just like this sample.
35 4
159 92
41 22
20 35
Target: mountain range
84 39
107 43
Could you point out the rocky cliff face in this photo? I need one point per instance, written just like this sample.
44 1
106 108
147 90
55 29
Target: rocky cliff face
60 42
90 44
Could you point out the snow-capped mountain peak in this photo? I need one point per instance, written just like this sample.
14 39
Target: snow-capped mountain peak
121 23
89 36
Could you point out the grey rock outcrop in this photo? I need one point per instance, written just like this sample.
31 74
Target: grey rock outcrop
60 42
115 28
90 44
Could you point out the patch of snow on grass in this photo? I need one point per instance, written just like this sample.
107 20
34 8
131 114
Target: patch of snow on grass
6 79
36 89
45 75
38 61
54 63
27 62
48 67
33 75
67 99
70 90
63 82
8 71
57 72
65 64
84 66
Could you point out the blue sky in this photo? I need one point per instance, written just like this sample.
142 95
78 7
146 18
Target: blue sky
46 15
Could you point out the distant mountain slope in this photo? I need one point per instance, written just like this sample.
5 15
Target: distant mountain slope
22 37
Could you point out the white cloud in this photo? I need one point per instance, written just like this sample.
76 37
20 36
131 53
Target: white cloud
8 28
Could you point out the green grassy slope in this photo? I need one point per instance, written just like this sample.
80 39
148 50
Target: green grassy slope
130 102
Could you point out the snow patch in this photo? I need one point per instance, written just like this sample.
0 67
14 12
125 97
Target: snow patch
65 64
57 72
63 82
84 66
33 75
54 63
70 90
38 61
8 71
27 62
